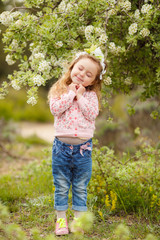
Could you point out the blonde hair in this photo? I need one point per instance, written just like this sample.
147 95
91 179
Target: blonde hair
60 87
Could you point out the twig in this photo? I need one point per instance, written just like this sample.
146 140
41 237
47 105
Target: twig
15 8
11 154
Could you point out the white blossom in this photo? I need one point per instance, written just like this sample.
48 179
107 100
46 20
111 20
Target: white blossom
19 23
112 2
115 49
62 6
111 12
112 46
15 84
81 29
59 62
10 60
38 80
16 14
44 66
39 56
108 81
133 28
137 14
128 81
69 7
6 18
14 44
145 32
103 38
146 8
125 5
118 50
99 31
53 59
59 44
32 101
88 30
34 50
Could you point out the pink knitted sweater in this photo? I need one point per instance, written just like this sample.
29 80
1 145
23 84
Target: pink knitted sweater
75 118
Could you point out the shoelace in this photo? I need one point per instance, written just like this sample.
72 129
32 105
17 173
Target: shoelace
62 222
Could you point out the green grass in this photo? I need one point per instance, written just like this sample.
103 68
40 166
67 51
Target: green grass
29 196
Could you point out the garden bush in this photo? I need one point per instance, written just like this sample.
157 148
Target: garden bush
128 183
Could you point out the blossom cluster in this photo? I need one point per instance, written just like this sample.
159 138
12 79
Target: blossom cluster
111 2
103 38
62 6
128 81
9 59
137 14
145 32
38 80
108 81
44 66
111 12
6 18
146 8
125 5
133 28
14 44
32 100
56 62
88 31
59 44
15 84
114 49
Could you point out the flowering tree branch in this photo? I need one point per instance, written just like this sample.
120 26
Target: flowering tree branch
53 32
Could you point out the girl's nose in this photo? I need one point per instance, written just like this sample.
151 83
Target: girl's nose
82 73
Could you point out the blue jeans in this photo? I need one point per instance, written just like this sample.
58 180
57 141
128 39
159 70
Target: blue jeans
71 164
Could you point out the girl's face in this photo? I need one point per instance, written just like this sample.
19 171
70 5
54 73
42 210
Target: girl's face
84 72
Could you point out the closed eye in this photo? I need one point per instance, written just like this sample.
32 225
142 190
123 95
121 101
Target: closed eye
89 75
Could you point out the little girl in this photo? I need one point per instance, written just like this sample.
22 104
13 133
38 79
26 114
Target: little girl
74 102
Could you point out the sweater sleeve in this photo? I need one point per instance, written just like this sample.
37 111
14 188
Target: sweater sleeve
61 104
89 106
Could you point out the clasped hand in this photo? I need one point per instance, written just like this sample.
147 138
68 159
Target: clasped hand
78 89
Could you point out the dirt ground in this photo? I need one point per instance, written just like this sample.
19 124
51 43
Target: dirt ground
42 130
9 162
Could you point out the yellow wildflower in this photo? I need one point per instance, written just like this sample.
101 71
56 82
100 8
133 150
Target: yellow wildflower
107 202
100 213
114 200
154 199
113 205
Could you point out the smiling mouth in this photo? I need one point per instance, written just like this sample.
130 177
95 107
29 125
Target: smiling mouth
79 79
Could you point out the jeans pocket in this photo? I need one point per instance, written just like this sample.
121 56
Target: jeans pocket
55 149
86 150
